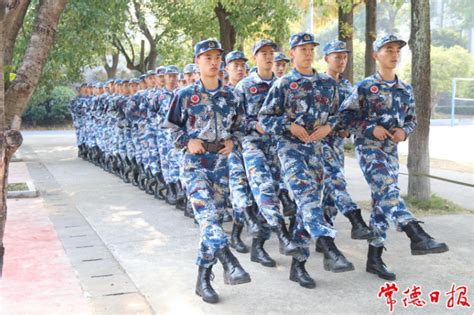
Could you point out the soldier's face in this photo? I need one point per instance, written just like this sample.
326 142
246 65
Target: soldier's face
279 68
388 56
171 80
161 81
189 77
209 63
264 58
337 61
303 56
236 70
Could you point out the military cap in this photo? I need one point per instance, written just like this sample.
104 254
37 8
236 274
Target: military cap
387 39
302 38
235 55
280 56
335 46
171 70
261 43
207 45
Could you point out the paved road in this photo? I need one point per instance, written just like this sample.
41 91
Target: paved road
155 246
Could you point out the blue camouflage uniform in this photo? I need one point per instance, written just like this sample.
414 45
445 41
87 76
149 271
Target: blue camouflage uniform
375 102
169 155
257 152
195 113
239 187
308 102
335 195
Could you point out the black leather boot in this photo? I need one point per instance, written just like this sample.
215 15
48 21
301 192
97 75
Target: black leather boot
135 172
287 247
376 265
289 206
319 247
127 171
299 274
334 260
150 183
251 220
180 196
118 166
142 177
160 188
291 225
259 255
188 211
421 242
236 241
360 230
203 285
233 271
171 194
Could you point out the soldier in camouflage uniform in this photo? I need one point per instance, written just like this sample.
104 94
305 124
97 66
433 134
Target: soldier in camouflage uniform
204 119
381 113
300 111
335 194
258 158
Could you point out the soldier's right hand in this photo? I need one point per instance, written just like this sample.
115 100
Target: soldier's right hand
299 132
260 129
381 133
195 146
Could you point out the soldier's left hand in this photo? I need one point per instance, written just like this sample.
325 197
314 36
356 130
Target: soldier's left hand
320 133
228 147
398 135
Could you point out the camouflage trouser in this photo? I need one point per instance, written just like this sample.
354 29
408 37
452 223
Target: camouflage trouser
205 177
122 143
164 147
174 158
143 144
261 174
335 195
302 167
129 143
379 163
136 144
152 149
239 186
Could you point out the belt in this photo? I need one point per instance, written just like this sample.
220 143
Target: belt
213 147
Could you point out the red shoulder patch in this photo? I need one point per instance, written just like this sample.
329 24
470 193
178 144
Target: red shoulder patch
374 89
253 90
195 99
162 97
293 85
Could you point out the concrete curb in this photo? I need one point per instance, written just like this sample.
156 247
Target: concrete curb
30 193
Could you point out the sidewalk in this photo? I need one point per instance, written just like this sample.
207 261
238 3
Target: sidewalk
38 277
155 246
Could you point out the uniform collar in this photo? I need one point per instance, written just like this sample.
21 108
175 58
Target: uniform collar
257 79
398 83
299 75
200 87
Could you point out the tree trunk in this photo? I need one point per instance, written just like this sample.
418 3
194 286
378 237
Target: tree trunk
418 149
13 102
111 69
16 11
226 29
345 30
370 35
28 75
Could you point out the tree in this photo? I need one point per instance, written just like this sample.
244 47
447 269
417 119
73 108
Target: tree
370 35
418 147
346 32
14 99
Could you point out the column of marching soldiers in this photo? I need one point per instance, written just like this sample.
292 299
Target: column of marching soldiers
265 142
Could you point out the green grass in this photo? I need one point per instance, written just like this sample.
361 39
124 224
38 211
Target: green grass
17 187
433 206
